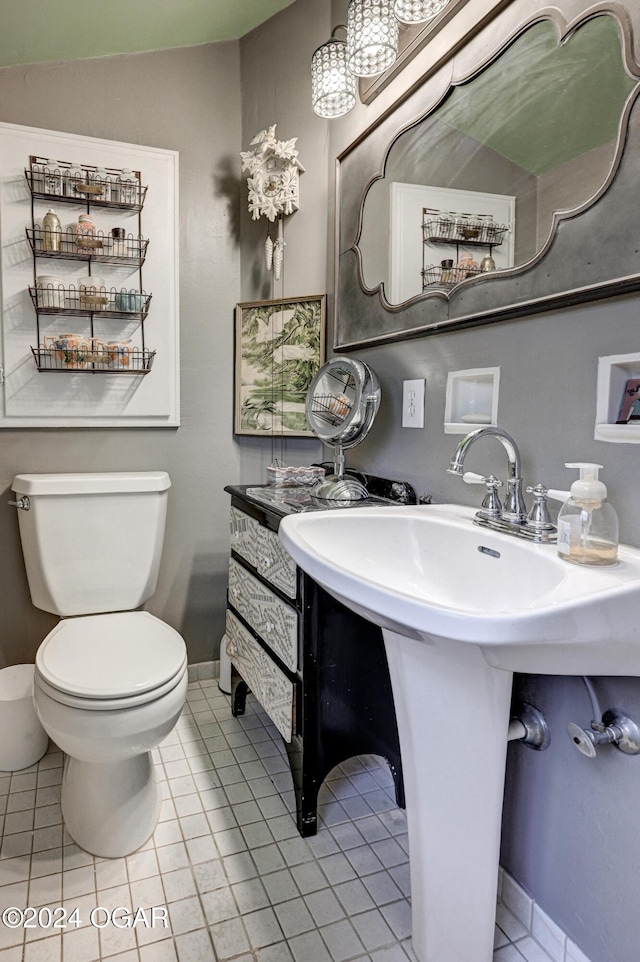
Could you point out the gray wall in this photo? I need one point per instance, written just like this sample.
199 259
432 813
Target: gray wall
188 100
569 824
276 88
571 184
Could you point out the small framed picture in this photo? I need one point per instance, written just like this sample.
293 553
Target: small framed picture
630 403
280 345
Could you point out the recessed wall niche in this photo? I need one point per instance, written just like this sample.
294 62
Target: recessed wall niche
616 374
471 399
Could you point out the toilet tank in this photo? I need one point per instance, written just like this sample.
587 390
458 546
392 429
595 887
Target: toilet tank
92 542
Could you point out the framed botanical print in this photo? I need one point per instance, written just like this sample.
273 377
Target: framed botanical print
280 345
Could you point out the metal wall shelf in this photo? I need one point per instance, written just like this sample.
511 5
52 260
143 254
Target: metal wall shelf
78 303
60 182
42 242
446 277
455 231
470 233
102 361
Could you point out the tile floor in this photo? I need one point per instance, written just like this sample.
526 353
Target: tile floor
225 862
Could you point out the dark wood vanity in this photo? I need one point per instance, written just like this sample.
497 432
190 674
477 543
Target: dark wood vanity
319 670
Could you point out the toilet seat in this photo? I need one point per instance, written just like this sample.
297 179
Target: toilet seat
110 661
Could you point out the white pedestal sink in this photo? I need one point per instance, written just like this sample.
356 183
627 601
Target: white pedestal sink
461 609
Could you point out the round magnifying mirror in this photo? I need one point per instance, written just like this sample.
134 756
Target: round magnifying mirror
342 402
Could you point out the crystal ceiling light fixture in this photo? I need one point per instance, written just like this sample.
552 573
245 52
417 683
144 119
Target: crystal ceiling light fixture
418 11
333 86
372 36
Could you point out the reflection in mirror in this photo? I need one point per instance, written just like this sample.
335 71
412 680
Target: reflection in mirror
474 186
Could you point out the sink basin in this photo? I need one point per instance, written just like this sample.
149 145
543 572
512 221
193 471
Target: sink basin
427 571
461 608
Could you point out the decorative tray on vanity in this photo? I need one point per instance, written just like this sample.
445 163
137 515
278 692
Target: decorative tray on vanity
291 499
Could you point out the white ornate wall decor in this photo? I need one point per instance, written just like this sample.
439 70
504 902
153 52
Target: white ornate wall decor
273 184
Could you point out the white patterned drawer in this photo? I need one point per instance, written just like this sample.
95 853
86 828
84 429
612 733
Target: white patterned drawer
272 618
271 686
244 535
274 563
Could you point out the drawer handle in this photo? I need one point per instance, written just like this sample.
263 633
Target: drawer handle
269 627
266 562
231 648
235 592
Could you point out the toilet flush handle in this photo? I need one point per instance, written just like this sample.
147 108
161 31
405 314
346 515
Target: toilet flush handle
23 503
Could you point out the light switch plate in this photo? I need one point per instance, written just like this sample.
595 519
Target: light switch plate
413 403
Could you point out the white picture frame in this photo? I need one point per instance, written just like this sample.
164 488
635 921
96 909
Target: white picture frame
32 398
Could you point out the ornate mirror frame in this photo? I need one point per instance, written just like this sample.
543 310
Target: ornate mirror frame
593 251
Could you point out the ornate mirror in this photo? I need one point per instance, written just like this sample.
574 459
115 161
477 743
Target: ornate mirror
512 192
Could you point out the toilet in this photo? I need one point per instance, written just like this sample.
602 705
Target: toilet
110 681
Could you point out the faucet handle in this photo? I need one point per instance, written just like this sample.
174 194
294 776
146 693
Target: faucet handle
491 506
469 477
538 491
539 518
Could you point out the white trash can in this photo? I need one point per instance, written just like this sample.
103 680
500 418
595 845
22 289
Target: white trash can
23 740
224 681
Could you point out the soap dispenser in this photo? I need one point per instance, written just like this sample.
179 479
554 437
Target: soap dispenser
587 523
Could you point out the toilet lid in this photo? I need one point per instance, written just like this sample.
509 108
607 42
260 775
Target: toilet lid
111 656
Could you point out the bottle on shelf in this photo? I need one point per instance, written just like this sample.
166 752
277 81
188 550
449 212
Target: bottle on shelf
93 293
86 235
128 187
466 267
75 177
447 275
52 177
51 231
445 223
465 226
487 227
37 176
103 180
50 290
118 243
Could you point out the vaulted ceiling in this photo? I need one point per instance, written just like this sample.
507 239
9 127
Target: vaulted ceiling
37 31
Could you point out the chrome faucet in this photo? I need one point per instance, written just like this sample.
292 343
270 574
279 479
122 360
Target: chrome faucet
514 510
511 517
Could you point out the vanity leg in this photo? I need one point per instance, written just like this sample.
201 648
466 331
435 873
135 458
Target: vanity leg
239 692
306 785
398 783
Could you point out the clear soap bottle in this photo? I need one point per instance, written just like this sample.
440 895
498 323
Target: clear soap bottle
587 523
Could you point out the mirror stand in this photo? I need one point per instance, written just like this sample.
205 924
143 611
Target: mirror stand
337 486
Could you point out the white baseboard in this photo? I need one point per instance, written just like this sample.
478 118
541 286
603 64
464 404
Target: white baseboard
540 927
204 670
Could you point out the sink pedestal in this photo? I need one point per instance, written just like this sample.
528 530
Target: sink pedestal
453 715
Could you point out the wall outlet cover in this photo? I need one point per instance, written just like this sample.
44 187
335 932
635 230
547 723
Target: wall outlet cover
413 394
